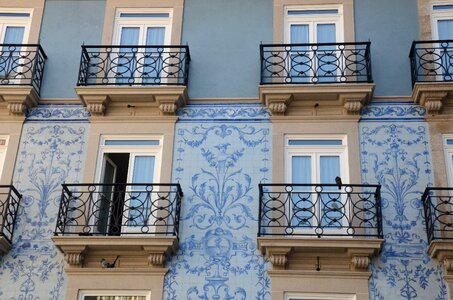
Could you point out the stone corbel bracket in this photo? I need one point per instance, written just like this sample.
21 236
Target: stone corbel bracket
442 250
307 99
356 253
434 96
18 100
151 100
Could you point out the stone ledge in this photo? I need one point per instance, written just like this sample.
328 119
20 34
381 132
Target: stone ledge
5 246
144 251
15 101
436 97
114 101
442 250
352 254
316 100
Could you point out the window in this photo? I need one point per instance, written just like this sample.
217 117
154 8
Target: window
442 29
448 147
316 296
313 25
3 146
124 206
141 28
14 29
113 295
315 160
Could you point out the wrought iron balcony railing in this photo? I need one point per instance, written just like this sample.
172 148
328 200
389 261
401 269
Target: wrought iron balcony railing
431 61
22 64
119 209
9 205
438 208
316 63
134 65
320 210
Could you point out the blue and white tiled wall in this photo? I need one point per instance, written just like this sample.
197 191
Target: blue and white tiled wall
221 153
395 153
51 151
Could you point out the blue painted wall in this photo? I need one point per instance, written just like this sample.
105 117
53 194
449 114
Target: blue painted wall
224 38
66 25
391 26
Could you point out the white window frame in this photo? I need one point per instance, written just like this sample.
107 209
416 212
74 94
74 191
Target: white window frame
312 20
145 150
16 21
3 149
448 150
143 23
317 296
121 22
315 151
85 293
437 15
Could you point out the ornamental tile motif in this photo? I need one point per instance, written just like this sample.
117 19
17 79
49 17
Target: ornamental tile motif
218 258
49 154
397 156
58 113
389 110
232 111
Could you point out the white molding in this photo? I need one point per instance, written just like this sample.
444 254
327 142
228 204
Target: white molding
448 150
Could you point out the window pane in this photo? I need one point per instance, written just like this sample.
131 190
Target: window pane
331 204
315 142
449 142
445 28
148 15
129 35
14 35
326 33
442 7
326 55
139 204
153 58
127 59
302 209
300 62
299 34
131 143
313 12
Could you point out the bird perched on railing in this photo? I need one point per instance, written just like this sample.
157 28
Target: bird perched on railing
338 181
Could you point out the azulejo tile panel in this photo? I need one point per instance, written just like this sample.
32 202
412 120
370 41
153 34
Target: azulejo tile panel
396 154
219 165
50 153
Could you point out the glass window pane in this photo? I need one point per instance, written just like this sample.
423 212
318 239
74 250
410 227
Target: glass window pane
139 204
129 35
144 15
449 142
299 34
302 209
153 61
326 55
445 29
331 204
14 35
315 142
127 59
442 7
300 62
131 143
155 36
313 12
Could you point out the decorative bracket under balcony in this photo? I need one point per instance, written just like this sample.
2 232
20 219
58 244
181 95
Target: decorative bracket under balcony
15 101
436 97
132 251
325 254
322 100
137 101
5 246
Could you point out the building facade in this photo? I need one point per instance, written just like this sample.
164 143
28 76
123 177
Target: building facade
211 149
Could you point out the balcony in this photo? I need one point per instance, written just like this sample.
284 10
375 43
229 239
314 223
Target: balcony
307 227
295 78
9 204
432 75
21 73
146 76
126 220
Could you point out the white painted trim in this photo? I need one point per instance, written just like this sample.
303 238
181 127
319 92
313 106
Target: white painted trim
437 15
16 21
